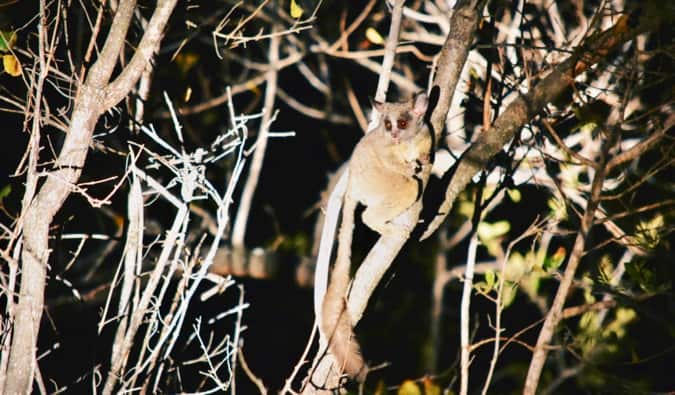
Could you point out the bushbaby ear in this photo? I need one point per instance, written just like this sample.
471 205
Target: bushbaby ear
420 103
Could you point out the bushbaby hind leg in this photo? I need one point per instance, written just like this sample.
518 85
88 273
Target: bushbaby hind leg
378 218
380 212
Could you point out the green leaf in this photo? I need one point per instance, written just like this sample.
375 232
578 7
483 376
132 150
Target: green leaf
490 278
481 287
5 191
648 232
517 267
514 195
465 208
647 277
488 231
588 127
552 263
605 269
617 327
7 40
558 209
297 243
509 295
531 284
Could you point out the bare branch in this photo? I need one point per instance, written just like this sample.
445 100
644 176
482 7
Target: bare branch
249 373
240 88
643 146
146 49
312 112
567 149
554 314
89 104
389 51
239 229
455 51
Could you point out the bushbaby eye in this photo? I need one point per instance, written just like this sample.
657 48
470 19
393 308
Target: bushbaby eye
402 124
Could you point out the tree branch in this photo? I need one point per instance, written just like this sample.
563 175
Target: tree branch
89 104
643 146
455 51
120 87
524 108
389 51
554 314
239 228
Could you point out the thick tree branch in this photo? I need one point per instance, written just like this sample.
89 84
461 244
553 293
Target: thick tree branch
524 108
455 51
89 104
100 72
122 85
46 204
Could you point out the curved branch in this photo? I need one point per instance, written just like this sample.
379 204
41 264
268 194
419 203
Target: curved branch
555 312
238 88
642 146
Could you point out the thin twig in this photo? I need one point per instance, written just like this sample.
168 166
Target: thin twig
249 373
532 230
312 112
567 149
464 313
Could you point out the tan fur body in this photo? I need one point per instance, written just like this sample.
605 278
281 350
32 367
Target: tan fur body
383 176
